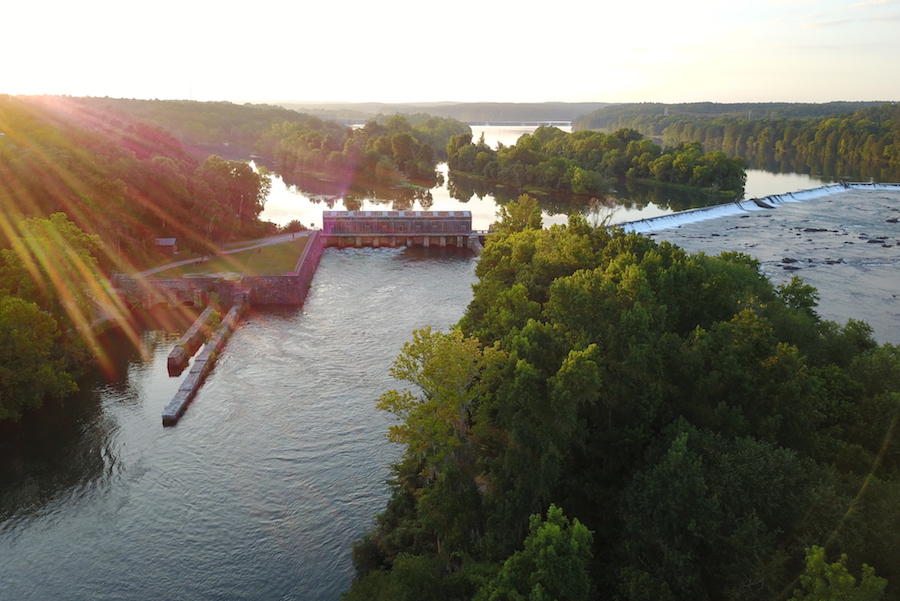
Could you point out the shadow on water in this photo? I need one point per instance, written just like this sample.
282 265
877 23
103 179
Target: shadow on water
446 254
64 446
50 452
638 195
628 194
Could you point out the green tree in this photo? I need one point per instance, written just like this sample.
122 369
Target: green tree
52 263
30 369
518 215
823 581
448 373
239 189
552 566
434 418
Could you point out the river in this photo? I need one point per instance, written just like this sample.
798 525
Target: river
286 203
277 466
259 491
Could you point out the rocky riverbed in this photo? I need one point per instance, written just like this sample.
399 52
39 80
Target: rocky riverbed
844 242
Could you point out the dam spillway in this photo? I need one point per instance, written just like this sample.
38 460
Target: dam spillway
674 220
397 228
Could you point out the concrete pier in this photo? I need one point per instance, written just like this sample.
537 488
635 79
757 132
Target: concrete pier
189 343
475 244
203 364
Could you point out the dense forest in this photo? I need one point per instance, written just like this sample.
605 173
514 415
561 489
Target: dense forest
223 128
839 140
588 163
613 116
468 112
616 418
83 193
120 179
390 151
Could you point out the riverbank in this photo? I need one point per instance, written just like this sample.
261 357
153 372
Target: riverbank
844 242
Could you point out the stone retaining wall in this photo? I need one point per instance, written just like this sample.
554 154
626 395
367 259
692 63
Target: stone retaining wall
288 289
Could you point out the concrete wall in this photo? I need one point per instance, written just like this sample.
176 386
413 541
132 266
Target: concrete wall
288 289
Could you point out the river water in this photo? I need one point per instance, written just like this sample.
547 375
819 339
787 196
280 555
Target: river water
286 203
276 468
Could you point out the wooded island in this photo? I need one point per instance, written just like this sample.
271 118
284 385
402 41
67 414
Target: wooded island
589 163
617 418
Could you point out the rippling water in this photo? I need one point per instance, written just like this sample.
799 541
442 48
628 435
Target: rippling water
276 468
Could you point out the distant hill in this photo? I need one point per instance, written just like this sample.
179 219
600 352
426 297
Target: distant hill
611 117
857 140
467 112
224 128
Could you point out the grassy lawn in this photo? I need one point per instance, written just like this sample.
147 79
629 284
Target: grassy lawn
276 259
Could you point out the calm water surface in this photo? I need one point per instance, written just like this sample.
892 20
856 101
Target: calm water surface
277 467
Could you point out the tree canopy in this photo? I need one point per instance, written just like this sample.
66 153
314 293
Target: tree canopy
392 150
120 179
840 139
586 163
703 427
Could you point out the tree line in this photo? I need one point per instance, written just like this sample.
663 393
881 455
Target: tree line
587 162
859 142
83 193
617 418
390 150
469 112
203 128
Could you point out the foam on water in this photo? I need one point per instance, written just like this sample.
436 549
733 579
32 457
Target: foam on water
673 220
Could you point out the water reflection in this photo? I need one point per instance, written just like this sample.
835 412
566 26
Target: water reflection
51 453
304 199
64 448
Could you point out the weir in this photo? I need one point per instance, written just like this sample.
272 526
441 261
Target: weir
745 206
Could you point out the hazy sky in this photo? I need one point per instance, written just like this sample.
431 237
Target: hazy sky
465 50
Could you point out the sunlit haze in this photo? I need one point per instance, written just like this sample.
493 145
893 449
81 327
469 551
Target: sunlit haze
405 51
